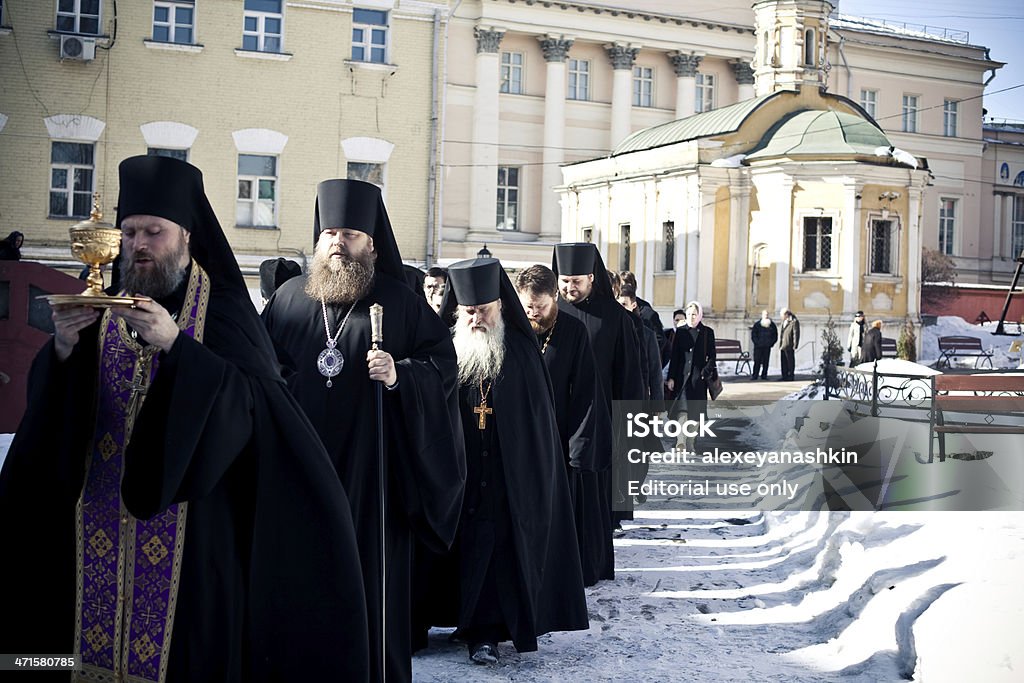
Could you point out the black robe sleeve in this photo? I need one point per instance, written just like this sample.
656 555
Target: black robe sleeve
585 423
424 410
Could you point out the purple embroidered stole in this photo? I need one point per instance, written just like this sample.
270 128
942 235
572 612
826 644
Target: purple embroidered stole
128 569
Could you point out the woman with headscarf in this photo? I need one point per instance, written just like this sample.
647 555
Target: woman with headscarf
693 357
10 247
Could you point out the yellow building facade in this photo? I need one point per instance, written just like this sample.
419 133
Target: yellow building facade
267 97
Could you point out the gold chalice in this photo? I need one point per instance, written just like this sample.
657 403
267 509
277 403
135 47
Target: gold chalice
95 244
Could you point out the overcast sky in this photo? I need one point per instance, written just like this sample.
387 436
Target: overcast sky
996 24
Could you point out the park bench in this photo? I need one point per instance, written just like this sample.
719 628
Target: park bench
978 400
888 347
730 349
951 348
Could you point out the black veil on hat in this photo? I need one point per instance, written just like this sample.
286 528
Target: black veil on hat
356 205
480 281
414 278
173 189
582 258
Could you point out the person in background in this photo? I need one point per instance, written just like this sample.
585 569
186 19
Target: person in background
10 247
274 273
872 349
855 339
763 335
789 340
433 286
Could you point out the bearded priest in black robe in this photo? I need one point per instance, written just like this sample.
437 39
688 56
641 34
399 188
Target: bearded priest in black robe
517 562
167 511
583 425
320 325
586 294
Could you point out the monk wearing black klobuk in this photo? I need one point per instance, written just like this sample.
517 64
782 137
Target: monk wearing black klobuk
517 564
320 324
167 511
586 294
583 425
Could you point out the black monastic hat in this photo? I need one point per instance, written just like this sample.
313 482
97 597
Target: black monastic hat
480 281
357 205
582 258
476 281
275 272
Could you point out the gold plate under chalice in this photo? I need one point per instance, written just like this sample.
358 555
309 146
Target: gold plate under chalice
95 244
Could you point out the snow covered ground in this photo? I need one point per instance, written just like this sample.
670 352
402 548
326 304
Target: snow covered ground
791 596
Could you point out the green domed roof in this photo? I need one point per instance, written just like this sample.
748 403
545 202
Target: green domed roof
820 133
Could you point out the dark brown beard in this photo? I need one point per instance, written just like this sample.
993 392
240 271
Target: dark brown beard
544 324
342 282
164 278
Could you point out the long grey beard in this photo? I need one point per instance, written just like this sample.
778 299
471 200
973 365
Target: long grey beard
342 282
481 354
166 275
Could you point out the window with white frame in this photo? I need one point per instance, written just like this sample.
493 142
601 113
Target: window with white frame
625 242
257 191
817 243
174 22
881 248
668 255
262 25
508 198
809 47
643 86
950 112
869 101
947 225
369 35
179 154
579 79
588 235
78 16
512 73
1017 228
71 178
367 172
910 109
705 100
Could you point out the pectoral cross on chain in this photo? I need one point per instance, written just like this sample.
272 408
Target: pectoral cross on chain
483 411
138 389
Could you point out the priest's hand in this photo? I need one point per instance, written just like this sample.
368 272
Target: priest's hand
153 323
68 321
671 384
382 367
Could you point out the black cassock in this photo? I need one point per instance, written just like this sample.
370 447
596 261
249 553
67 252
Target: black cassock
617 352
268 578
426 464
516 552
585 434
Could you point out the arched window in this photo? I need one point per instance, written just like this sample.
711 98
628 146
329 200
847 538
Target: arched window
766 56
809 47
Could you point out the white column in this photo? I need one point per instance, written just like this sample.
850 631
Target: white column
997 227
1008 223
484 176
686 281
685 66
555 50
782 253
850 248
744 79
739 231
913 232
706 242
622 58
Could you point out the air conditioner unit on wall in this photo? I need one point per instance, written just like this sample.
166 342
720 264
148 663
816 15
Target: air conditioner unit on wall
80 48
